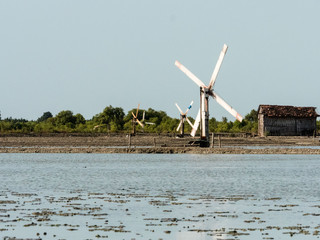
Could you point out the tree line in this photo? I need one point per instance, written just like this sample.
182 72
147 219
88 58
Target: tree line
113 119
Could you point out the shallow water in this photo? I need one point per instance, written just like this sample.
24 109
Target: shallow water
127 196
276 147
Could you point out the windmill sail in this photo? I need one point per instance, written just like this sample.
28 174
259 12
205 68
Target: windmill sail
218 65
227 107
196 125
190 74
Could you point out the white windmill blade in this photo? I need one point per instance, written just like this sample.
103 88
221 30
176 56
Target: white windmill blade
226 106
144 113
195 125
189 122
179 109
133 115
141 124
150 123
179 125
190 106
218 65
190 74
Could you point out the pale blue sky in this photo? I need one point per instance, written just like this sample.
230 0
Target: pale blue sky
85 55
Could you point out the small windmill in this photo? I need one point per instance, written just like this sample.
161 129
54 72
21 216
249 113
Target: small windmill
135 120
183 118
205 92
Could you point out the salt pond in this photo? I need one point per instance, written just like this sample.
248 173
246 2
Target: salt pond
120 196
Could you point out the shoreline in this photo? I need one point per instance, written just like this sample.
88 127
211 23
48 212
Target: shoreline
156 144
161 150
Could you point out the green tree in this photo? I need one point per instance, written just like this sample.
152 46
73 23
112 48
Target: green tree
16 125
213 124
224 126
252 116
79 119
112 118
238 126
45 116
45 126
65 117
155 116
169 125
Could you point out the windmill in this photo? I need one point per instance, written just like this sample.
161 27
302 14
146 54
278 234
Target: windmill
206 91
135 120
183 118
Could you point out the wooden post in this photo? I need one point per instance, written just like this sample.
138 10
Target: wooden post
212 140
133 126
129 140
219 138
182 125
154 142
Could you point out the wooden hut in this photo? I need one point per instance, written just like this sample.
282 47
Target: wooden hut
275 120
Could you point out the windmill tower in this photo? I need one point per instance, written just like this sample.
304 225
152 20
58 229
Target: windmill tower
135 120
205 92
183 118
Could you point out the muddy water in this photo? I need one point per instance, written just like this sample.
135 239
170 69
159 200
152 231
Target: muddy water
115 196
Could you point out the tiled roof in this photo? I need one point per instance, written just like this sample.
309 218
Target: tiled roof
287 111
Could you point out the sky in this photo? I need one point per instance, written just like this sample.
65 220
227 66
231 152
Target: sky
85 55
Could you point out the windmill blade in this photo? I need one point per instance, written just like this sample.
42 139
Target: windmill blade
134 115
150 123
179 109
195 125
137 111
179 125
141 124
97 126
190 106
144 113
226 106
189 122
190 74
218 65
